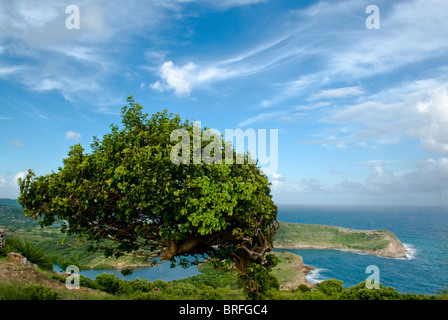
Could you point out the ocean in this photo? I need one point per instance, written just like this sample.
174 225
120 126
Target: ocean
423 231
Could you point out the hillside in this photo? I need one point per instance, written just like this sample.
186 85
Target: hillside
23 282
20 282
9 202
378 242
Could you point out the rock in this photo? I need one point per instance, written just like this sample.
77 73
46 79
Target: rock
13 256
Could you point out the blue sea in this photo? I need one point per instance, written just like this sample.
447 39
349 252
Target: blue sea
423 231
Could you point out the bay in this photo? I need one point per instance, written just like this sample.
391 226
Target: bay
423 230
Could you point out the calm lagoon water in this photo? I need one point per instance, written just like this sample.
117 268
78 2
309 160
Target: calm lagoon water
161 272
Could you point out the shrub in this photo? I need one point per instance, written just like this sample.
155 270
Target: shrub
313 295
33 253
142 285
38 292
11 291
108 283
303 288
86 282
361 292
331 288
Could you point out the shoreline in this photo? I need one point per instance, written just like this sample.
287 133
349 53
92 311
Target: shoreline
310 236
409 255
308 273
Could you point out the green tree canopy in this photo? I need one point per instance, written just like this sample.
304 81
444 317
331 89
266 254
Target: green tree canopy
129 196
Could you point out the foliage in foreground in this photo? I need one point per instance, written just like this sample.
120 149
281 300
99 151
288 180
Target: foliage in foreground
12 291
205 289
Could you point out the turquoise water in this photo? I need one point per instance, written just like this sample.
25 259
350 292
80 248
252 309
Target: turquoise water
424 230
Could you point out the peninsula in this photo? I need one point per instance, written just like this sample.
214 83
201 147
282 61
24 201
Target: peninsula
376 242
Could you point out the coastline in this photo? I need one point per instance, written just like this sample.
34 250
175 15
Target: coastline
309 275
302 236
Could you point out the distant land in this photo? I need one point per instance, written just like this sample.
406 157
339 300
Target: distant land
300 236
9 202
289 235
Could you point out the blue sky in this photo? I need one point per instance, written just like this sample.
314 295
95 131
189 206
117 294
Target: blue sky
362 114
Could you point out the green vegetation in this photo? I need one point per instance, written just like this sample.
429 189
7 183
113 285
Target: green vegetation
12 218
208 285
294 234
13 291
9 202
290 270
33 253
130 196
63 250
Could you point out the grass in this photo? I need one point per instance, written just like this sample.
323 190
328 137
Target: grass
286 270
18 282
293 234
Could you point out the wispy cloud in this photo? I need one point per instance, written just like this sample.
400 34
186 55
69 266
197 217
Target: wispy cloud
16 143
416 111
347 50
259 118
337 93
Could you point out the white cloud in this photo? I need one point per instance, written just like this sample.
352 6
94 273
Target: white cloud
423 183
337 93
8 184
175 78
346 50
73 135
7 71
411 32
21 175
182 80
56 58
416 111
36 14
290 89
278 177
283 191
48 84
427 176
234 3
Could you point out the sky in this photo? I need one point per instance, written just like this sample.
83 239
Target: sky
361 112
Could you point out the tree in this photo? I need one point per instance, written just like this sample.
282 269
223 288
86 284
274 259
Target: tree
128 196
